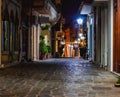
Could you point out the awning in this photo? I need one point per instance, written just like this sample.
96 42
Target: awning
86 9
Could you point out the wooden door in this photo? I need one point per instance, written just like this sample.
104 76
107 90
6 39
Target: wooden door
116 37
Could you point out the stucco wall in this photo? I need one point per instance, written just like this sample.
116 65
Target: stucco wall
110 35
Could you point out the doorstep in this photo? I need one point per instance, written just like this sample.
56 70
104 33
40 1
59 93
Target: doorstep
6 65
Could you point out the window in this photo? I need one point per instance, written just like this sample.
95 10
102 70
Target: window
5 36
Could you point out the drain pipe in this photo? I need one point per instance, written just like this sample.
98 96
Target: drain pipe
0 31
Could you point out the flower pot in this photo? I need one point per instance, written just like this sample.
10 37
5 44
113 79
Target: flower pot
42 57
117 84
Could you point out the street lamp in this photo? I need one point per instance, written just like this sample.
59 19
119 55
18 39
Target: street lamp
82 38
80 34
80 21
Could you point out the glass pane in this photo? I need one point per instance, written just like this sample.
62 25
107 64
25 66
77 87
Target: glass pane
5 36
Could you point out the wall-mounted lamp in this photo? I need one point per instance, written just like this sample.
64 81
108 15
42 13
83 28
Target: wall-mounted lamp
80 21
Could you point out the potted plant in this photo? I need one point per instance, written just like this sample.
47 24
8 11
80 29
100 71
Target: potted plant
83 51
43 48
117 84
45 27
49 51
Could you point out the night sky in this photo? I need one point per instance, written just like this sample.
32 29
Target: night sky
70 9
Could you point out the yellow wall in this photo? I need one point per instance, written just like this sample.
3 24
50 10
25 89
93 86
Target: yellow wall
4 58
47 33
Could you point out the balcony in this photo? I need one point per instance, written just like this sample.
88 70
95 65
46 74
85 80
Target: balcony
44 8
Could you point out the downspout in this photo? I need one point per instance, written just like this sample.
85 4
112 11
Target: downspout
0 31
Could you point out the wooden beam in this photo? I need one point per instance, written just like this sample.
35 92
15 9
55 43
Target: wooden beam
40 7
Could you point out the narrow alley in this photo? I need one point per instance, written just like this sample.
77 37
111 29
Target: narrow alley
59 48
60 77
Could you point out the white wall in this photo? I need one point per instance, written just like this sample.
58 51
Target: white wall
38 39
104 47
102 35
110 35
104 32
106 37
35 42
90 22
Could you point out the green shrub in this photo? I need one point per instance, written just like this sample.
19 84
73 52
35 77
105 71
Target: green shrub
43 47
118 81
49 49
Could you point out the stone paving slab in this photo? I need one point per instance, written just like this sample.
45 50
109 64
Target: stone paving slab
57 78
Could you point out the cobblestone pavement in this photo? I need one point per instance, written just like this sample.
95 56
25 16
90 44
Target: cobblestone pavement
57 78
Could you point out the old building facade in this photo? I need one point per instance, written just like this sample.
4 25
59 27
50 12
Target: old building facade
20 27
